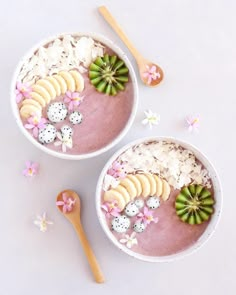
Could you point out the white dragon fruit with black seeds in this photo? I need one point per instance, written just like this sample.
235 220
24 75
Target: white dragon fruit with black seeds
131 209
76 118
47 134
153 202
139 226
66 131
120 224
57 112
139 203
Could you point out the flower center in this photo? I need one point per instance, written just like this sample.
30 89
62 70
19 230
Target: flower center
150 218
35 120
77 98
30 171
196 120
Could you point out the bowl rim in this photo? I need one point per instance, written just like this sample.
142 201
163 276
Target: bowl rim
210 229
109 43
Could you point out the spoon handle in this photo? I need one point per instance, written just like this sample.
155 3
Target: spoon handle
116 27
97 273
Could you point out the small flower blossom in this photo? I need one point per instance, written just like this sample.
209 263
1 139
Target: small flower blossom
151 118
67 203
147 216
192 123
151 74
22 91
117 170
42 222
31 170
65 141
111 209
35 123
73 99
110 182
129 240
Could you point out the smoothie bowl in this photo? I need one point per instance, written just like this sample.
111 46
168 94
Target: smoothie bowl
158 199
75 95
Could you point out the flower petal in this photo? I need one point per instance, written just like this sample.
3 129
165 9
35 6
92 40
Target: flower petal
123 241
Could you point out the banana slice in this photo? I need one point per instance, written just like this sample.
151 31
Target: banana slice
79 80
130 187
159 186
112 195
43 92
69 80
37 97
55 84
153 185
62 83
124 193
137 183
48 86
28 110
33 102
166 190
146 187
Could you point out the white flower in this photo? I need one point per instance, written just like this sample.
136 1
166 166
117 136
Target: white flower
109 181
42 222
129 240
64 140
151 118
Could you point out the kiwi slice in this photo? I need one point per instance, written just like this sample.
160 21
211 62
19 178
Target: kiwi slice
108 74
194 204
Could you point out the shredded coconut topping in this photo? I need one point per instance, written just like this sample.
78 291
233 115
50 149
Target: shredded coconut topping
66 53
170 161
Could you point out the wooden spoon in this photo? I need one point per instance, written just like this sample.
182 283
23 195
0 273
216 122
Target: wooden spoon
143 63
74 218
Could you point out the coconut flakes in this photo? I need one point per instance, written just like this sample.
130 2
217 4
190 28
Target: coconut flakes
170 161
61 54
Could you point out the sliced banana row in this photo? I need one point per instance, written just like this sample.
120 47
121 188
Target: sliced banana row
138 185
49 88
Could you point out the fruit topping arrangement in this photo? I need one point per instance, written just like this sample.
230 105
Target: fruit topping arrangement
53 82
194 204
134 186
108 74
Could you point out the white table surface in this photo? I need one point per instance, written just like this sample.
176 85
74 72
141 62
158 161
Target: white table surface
194 42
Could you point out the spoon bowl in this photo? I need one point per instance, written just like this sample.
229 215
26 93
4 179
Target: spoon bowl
73 215
150 73
144 65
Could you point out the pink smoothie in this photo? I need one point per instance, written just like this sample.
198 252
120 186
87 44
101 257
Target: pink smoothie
169 236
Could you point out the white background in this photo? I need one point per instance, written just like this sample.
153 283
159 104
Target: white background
194 42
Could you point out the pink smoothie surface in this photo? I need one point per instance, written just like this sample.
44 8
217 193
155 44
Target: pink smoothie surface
104 118
169 236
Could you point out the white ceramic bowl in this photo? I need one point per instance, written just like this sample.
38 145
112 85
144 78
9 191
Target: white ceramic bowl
120 53
211 226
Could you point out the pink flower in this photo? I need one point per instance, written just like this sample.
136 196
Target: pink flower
117 170
32 169
111 209
67 203
35 123
147 216
151 74
192 123
73 98
22 90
